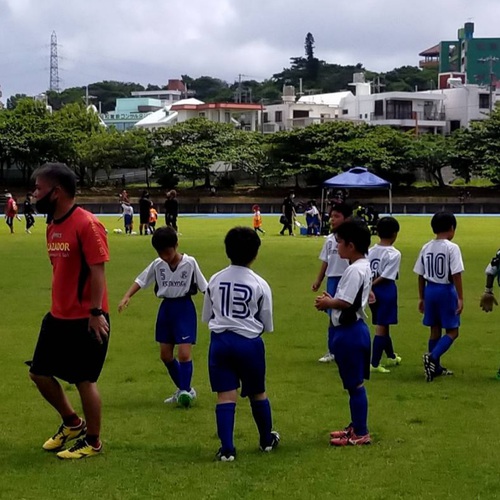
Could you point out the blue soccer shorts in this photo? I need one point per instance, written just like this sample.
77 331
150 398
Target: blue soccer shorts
176 322
232 359
385 309
351 346
440 306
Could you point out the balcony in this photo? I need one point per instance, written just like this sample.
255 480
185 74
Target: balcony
433 116
429 63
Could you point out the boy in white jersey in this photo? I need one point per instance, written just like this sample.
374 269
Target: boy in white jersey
177 277
439 267
128 217
350 336
488 300
384 263
331 264
238 309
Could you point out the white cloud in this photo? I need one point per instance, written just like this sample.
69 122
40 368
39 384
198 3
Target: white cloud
153 40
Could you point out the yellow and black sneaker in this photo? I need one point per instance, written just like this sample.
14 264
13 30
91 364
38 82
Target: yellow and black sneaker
64 434
81 449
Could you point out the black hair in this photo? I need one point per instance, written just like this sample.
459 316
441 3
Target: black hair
57 174
242 245
387 227
342 208
443 221
355 232
164 237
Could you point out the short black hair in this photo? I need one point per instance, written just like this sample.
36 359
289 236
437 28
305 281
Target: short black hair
58 174
387 227
242 245
164 237
355 232
443 221
343 208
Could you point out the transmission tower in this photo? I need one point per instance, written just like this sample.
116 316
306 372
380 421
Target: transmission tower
54 64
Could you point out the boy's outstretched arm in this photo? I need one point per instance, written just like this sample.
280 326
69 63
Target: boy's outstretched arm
321 276
457 281
128 295
421 286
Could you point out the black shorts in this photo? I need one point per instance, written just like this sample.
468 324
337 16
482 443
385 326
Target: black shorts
67 350
144 218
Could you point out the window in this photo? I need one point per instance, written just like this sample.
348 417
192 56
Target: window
278 116
300 113
265 117
345 111
379 107
398 110
484 101
201 114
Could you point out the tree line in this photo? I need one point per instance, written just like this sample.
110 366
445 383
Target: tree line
30 135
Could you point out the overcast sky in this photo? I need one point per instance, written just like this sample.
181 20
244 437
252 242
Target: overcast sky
150 41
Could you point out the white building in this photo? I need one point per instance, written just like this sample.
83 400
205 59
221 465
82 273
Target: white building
438 111
240 115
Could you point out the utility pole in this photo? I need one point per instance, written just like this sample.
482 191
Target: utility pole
490 60
54 64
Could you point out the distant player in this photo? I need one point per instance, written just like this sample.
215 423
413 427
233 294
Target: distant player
128 216
144 205
177 277
350 336
384 263
332 265
171 209
29 213
10 211
257 219
488 299
439 267
238 309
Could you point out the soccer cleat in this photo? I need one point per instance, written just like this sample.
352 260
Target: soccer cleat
275 441
173 397
81 449
327 358
429 367
379 369
442 371
225 456
184 398
344 433
352 440
64 434
396 360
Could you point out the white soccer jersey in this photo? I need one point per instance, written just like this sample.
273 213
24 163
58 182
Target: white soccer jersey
238 300
127 209
438 261
384 262
313 211
171 284
329 254
357 275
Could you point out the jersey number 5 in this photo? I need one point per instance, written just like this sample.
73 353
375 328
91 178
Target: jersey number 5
235 298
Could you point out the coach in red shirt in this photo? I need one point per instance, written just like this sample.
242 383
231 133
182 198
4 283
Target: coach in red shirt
73 339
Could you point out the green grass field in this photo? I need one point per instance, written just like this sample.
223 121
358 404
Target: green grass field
437 440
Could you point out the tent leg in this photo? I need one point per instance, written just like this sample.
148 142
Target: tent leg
390 201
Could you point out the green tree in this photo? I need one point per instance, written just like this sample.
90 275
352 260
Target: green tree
14 99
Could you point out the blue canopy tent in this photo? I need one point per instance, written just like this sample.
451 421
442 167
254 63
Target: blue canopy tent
357 177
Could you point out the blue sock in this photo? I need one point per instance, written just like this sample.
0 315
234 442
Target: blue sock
389 349
378 349
224 415
261 411
442 346
358 402
432 344
173 371
185 375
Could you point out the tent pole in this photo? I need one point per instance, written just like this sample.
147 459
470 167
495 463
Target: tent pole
322 201
390 199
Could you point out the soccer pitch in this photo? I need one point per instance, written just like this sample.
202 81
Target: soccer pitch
431 440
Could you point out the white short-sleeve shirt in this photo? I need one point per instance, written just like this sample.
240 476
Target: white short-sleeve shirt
239 300
329 254
184 280
355 277
384 262
438 261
